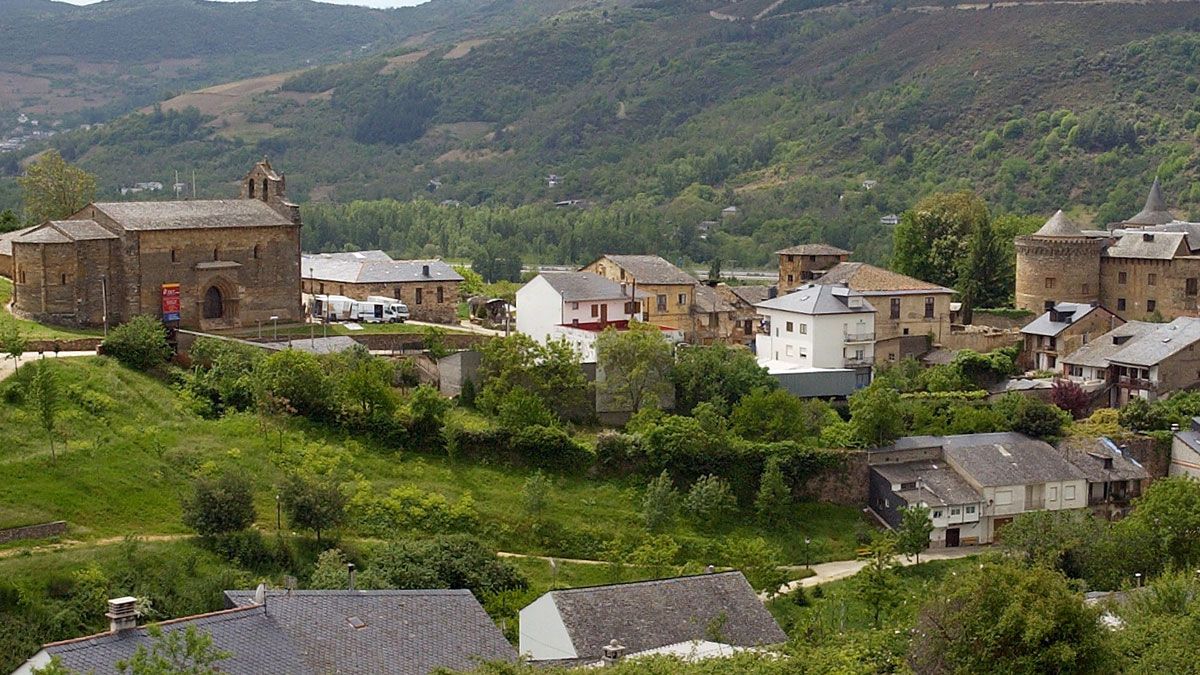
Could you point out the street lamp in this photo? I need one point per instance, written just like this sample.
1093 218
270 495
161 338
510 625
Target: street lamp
277 518
274 329
807 544
1138 575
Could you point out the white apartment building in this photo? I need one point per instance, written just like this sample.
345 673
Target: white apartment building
817 327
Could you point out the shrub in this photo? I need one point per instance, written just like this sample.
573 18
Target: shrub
140 343
299 379
535 493
519 408
410 508
1069 396
1040 420
550 447
660 502
453 561
219 505
314 503
710 501
616 452
774 497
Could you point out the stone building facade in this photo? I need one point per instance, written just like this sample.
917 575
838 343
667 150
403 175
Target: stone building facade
430 288
1147 267
671 291
228 262
801 264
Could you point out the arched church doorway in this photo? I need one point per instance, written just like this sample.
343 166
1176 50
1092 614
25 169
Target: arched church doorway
214 303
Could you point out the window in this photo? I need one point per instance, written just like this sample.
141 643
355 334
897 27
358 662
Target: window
1190 286
661 302
257 250
419 294
791 278
928 308
970 510
683 298
1053 493
21 275
1120 304
788 350
1004 496
909 486
937 513
574 305
595 310
790 327
174 255
1122 277
396 292
1049 283
321 286
1068 493
1085 288
217 253
954 510
1152 279
803 328
1150 305
895 313
441 294
64 280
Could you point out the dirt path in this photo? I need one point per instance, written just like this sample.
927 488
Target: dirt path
9 366
842 569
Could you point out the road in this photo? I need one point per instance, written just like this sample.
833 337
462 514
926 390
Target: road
8 366
842 569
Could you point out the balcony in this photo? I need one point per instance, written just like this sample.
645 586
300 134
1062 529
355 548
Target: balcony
859 337
858 361
1136 383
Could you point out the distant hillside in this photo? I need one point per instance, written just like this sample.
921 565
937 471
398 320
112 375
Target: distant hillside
815 119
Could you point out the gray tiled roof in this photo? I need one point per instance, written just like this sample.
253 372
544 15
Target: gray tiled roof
1044 325
708 301
1059 225
372 269
188 215
250 635
650 614
1007 458
651 269
1096 353
872 280
1155 211
583 286
938 482
1134 244
405 632
812 249
751 294
1088 454
817 299
82 230
43 234
7 238
309 632
1163 342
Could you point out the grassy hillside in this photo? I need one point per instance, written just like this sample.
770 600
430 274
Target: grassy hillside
663 109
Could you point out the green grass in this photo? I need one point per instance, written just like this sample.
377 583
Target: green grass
306 330
33 330
122 468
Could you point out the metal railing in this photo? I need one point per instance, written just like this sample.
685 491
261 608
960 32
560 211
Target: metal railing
859 337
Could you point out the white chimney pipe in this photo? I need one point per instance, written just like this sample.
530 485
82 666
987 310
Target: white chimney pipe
122 614
613 652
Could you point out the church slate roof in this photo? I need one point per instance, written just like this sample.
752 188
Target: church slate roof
652 269
1060 225
1155 211
7 238
812 249
43 234
649 614
82 230
191 215
872 280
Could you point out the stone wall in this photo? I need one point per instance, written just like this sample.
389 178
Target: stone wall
845 485
401 342
797 270
982 341
42 531
1130 286
71 345
1154 458
910 319
438 298
1057 270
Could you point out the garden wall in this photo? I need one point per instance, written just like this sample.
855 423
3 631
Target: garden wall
42 531
845 485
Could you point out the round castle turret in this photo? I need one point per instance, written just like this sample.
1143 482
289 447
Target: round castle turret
1058 263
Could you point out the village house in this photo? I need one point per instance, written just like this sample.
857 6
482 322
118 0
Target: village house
1061 330
713 318
671 291
430 288
1147 266
578 307
1185 451
818 328
204 264
577 626
1159 363
975 484
799 265
745 315
1090 362
305 632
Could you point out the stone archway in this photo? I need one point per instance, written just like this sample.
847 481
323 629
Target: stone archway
213 306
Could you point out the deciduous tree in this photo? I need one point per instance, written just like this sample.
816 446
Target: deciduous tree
634 366
915 528
219 505
53 189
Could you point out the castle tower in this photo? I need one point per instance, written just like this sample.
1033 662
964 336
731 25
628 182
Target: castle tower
264 184
1058 263
1155 212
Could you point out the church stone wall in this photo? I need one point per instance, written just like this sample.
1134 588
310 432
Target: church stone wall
1057 270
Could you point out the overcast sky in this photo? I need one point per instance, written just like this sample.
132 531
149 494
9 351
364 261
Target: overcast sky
365 3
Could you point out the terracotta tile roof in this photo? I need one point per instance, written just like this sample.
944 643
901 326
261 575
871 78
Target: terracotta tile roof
872 280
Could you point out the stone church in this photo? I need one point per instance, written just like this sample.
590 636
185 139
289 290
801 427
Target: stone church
199 264
1146 267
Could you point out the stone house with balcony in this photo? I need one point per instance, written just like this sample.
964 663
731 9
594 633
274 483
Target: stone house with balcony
1158 363
430 288
1114 478
1090 362
801 264
1061 330
671 291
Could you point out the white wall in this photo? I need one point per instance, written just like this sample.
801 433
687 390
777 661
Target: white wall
823 342
542 633
540 309
1184 460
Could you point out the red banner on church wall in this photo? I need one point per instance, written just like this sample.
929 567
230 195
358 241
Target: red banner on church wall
170 302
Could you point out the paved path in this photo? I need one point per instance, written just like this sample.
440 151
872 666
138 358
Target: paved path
842 569
9 366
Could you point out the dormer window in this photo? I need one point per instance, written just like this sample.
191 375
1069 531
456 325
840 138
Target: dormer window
1147 236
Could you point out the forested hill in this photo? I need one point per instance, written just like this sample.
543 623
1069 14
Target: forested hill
673 110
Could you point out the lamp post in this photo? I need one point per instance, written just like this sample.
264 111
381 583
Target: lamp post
278 520
807 557
1138 576
274 329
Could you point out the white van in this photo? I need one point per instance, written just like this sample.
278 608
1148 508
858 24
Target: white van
394 310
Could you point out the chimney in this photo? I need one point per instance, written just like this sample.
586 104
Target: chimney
122 614
350 569
425 270
1174 428
613 652
772 292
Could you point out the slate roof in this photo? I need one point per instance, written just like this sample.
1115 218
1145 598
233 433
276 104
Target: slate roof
1134 244
812 249
816 299
61 232
1088 455
651 269
1060 225
1155 211
303 632
190 215
7 238
371 269
1046 325
1007 458
251 636
1158 345
650 614
1095 354
938 482
332 344
584 286
707 301
1192 230
872 280
751 294
43 234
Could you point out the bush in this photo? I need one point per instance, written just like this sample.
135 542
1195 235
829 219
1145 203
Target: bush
299 379
410 508
660 502
220 505
550 448
1040 420
520 408
140 343
710 501
453 561
1069 396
